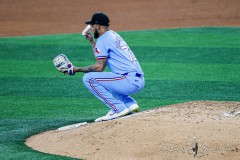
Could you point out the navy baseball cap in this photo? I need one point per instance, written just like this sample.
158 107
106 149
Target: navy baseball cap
99 18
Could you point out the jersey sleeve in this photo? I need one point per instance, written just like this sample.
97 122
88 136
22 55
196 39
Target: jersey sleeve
100 50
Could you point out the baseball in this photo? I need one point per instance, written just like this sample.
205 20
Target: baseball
84 32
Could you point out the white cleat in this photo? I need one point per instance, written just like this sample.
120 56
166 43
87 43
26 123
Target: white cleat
133 108
123 113
110 115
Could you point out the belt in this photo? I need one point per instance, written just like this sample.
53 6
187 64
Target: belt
136 74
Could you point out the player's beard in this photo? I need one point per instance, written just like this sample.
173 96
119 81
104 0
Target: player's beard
96 34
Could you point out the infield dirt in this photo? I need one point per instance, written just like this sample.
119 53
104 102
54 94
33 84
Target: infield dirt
32 17
164 133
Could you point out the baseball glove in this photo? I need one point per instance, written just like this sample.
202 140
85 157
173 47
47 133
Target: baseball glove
62 64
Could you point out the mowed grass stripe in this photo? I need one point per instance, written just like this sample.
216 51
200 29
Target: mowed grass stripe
38 52
25 68
161 71
192 72
188 55
162 89
212 37
43 87
191 90
144 54
45 107
74 109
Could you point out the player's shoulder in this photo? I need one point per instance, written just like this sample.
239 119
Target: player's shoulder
110 33
107 36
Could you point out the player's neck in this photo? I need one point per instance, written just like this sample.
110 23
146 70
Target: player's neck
103 30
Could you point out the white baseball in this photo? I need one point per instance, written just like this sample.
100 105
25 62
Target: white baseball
84 32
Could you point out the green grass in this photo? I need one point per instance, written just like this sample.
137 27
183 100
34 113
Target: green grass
179 64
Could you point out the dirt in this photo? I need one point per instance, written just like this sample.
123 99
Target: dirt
33 17
165 133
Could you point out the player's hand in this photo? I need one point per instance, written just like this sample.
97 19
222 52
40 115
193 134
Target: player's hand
62 64
89 37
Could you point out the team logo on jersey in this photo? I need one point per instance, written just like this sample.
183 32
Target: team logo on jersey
97 51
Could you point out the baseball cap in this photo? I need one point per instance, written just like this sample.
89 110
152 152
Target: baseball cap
99 18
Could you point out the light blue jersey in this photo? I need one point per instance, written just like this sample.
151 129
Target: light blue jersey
120 58
126 77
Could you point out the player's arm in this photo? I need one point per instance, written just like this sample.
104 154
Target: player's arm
89 37
100 63
97 67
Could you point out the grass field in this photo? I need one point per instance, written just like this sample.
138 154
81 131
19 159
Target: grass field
180 65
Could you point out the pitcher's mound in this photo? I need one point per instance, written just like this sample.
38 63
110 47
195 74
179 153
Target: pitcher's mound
181 131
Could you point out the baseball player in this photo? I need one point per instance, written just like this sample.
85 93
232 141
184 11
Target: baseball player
126 77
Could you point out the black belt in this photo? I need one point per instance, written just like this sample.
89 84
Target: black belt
137 75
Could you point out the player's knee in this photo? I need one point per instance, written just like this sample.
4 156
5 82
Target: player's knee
87 78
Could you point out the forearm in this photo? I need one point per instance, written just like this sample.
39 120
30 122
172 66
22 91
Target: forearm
91 68
89 37
97 67
93 43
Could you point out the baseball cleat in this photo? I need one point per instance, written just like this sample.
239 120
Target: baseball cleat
123 113
133 108
110 115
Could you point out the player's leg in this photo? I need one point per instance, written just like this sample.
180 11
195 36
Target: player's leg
101 84
106 84
130 103
123 87
92 82
135 84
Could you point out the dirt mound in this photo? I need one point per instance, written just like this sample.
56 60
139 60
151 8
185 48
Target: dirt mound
172 132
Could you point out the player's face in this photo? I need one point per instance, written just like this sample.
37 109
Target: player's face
95 29
96 34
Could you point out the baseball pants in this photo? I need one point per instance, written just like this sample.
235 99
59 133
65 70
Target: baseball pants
114 89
